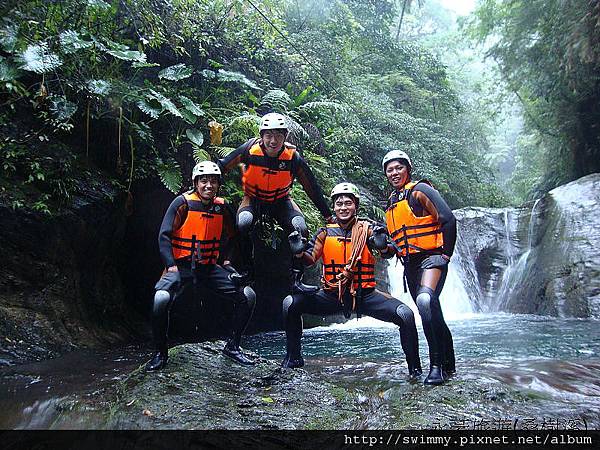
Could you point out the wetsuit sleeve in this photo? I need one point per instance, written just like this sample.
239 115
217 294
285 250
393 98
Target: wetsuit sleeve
235 157
173 219
308 181
229 236
314 251
434 204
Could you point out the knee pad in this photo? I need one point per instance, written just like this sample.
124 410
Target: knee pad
405 314
424 302
161 300
250 296
299 225
244 221
287 302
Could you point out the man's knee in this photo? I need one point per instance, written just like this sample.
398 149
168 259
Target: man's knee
425 300
405 315
161 301
244 221
286 305
299 225
250 297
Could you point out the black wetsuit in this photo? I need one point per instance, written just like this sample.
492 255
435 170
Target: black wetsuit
206 280
282 210
370 302
436 330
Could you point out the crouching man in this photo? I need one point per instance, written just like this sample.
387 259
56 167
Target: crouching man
348 281
196 231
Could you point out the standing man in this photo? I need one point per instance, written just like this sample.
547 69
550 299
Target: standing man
348 279
423 229
270 167
194 237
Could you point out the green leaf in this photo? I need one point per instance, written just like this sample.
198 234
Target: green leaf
170 175
71 42
61 108
99 87
128 55
195 136
225 75
191 106
144 132
166 103
176 72
149 109
188 116
201 155
268 400
39 59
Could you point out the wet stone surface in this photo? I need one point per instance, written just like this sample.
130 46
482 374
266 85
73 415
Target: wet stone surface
202 389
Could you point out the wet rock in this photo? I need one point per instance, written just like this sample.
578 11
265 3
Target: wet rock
60 284
541 258
202 389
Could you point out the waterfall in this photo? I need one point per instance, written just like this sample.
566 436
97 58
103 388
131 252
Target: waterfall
513 273
454 298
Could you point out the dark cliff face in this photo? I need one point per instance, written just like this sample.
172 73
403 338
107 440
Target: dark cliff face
541 258
61 278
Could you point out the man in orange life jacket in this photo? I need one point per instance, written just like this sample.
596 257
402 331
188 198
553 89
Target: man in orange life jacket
423 229
345 249
271 164
194 236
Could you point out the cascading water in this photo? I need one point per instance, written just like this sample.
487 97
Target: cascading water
513 274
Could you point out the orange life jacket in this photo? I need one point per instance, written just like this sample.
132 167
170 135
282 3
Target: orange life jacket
337 249
200 233
264 183
412 234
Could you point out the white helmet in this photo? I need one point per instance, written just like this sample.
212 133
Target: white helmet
395 154
347 189
273 121
205 168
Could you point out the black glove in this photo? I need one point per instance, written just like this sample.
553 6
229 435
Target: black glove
234 276
433 261
297 243
379 238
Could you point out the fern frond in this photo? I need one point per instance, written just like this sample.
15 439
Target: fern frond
275 100
170 175
39 59
200 155
221 151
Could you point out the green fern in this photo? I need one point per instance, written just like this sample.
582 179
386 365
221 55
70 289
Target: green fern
200 155
221 151
39 59
275 100
170 175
